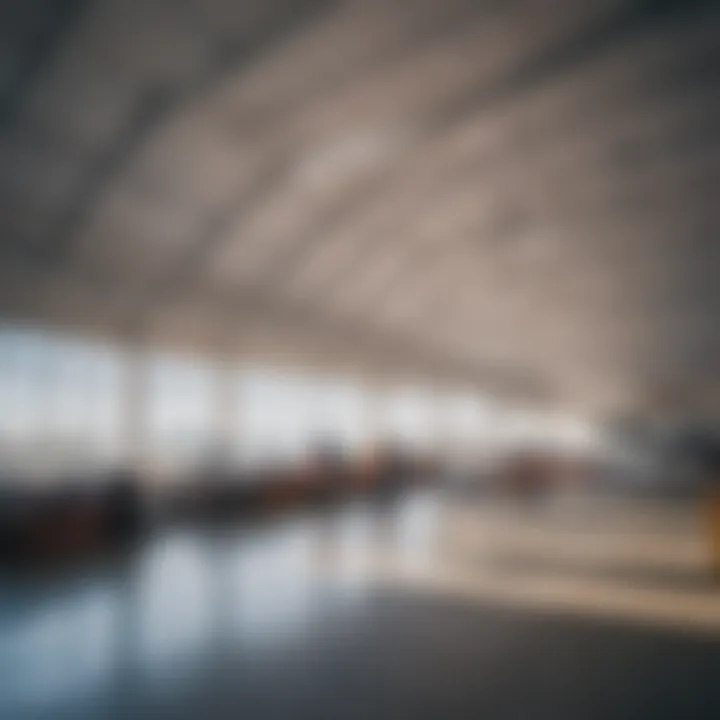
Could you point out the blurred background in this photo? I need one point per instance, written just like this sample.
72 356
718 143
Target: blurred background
359 357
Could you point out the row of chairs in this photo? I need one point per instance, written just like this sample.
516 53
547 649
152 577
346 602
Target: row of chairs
70 519
322 480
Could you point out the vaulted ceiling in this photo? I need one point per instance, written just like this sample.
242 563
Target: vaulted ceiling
517 193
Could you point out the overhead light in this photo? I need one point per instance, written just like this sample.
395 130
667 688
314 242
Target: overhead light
351 155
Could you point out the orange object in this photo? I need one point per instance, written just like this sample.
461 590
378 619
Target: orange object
713 504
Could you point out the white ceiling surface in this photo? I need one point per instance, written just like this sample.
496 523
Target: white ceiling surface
513 193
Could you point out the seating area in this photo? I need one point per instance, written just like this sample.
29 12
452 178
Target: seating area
317 482
70 522
359 359
66 522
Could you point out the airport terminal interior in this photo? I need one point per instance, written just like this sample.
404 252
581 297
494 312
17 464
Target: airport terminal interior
359 359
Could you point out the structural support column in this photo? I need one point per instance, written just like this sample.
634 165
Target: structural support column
374 407
133 408
226 435
437 431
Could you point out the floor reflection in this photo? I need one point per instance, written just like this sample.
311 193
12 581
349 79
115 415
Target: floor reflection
186 596
323 615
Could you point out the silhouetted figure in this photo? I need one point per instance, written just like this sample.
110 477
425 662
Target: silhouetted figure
704 447
14 513
394 473
711 467
332 466
528 477
124 506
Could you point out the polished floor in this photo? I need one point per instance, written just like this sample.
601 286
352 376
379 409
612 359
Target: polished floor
372 612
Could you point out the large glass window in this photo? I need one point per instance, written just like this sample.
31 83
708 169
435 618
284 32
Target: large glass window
69 403
339 412
59 409
408 417
284 415
181 409
277 411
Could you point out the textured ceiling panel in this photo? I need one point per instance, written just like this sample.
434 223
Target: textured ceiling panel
518 193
